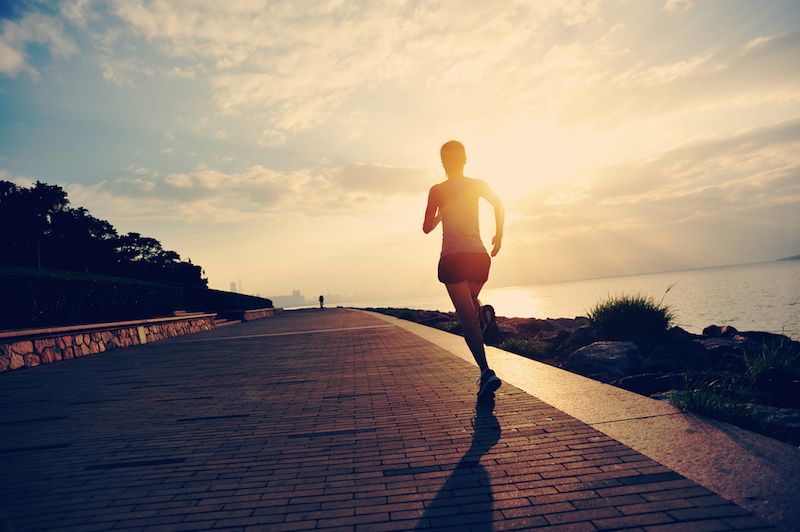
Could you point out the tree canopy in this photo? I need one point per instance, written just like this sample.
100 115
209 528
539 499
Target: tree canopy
39 228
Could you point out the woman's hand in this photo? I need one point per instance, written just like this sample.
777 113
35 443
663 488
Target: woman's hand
496 242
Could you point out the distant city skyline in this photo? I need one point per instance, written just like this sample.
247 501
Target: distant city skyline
286 146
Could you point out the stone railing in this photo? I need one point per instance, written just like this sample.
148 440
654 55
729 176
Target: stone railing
31 347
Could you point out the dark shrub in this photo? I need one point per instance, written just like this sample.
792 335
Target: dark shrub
623 317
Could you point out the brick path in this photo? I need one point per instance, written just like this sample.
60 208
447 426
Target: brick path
364 427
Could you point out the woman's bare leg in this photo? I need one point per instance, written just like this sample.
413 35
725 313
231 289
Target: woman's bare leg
463 300
475 290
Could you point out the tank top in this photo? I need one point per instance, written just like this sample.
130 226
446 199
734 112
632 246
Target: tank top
460 230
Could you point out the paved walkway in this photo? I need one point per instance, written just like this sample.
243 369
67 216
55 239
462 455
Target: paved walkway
353 424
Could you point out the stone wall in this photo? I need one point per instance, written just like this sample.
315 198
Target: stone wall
257 314
30 348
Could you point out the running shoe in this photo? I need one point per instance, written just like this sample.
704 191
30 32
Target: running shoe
487 384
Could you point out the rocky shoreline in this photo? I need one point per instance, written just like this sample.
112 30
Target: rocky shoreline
749 378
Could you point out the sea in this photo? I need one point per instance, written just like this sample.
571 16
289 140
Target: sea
762 297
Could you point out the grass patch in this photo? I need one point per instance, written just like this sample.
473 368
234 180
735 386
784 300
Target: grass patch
745 400
450 326
521 346
772 366
618 317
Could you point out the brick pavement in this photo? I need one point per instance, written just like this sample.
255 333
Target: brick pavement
363 427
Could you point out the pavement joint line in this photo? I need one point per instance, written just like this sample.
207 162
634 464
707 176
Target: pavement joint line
211 418
331 433
138 463
35 448
293 333
593 423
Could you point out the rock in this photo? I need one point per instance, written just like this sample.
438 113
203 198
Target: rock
783 421
579 338
47 356
32 360
718 347
5 358
728 330
646 342
765 339
678 333
664 396
554 337
604 361
21 348
16 361
651 383
678 355
712 330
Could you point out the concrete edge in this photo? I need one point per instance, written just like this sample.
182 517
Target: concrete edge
758 473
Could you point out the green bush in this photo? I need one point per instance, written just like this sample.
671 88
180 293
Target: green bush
621 317
521 346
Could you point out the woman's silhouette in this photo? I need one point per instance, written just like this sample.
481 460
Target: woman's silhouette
464 263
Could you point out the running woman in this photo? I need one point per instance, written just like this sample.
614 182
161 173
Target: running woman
464 263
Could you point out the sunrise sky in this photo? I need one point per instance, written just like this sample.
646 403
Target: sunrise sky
291 144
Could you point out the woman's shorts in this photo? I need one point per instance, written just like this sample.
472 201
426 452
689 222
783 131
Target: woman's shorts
459 267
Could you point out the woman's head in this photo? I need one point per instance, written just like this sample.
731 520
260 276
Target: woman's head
454 157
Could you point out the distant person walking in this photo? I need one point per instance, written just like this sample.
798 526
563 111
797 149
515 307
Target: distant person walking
321 301
464 263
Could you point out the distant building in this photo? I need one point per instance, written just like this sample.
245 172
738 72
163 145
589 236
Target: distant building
233 287
296 299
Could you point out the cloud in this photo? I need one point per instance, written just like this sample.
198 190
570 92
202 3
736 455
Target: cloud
382 179
719 200
677 5
256 193
297 63
34 28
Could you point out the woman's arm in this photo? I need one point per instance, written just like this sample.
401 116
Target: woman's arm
432 217
499 216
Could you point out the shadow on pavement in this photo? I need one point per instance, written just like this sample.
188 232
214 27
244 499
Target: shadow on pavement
466 497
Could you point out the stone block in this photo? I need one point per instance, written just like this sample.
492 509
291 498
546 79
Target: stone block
16 361
32 360
47 355
67 354
21 348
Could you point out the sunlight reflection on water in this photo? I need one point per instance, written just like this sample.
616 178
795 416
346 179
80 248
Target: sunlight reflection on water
762 296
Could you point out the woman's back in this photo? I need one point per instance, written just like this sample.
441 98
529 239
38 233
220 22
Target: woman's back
459 211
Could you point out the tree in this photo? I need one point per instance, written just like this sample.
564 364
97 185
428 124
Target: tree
39 228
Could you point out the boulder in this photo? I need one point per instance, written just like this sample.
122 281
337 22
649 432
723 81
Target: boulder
717 347
651 383
678 355
579 338
766 339
712 330
728 330
604 361
678 333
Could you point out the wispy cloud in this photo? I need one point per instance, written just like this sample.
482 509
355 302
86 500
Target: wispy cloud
34 28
